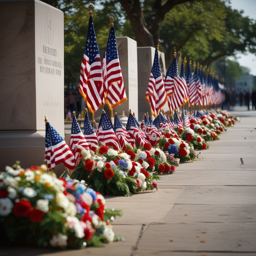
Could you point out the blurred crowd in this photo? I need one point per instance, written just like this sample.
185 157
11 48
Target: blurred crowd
243 98
72 102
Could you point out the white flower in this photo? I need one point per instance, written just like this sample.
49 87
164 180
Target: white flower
87 198
11 171
59 240
44 167
190 131
37 172
17 178
162 155
100 165
46 178
141 177
144 185
9 181
30 175
129 162
152 151
85 153
95 220
124 156
71 210
112 152
137 156
137 168
109 234
11 192
58 185
5 206
197 126
145 165
62 200
29 192
42 205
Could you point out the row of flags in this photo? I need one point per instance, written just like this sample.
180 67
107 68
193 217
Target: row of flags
178 89
116 136
101 83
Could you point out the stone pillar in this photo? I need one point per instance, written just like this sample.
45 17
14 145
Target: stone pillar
31 78
145 61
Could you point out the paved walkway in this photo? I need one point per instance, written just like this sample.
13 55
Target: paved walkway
206 208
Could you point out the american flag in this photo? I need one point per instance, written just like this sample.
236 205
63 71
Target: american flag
157 122
77 139
188 76
135 131
89 132
145 121
175 86
56 150
91 82
195 89
183 76
106 134
203 88
185 119
113 80
150 121
162 118
155 94
177 120
123 136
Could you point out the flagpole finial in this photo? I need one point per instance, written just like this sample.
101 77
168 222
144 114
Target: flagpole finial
45 120
111 22
157 47
190 62
86 110
115 113
185 60
74 113
130 111
174 52
103 111
133 114
91 6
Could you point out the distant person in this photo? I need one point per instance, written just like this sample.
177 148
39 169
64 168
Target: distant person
71 101
247 99
227 95
241 95
253 99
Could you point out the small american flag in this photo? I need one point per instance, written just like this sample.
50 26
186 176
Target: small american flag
77 139
135 131
177 121
113 80
185 119
145 121
195 90
56 150
106 135
123 136
91 82
89 132
155 94
175 86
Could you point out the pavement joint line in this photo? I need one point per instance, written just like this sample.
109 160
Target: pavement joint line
135 248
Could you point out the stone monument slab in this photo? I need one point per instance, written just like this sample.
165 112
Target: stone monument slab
32 78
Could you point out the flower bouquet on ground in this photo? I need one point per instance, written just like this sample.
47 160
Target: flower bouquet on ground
38 209
113 173
195 139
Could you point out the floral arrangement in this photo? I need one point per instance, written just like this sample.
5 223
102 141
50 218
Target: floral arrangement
116 173
38 209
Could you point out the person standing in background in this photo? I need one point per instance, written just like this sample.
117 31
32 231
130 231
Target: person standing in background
71 101
247 99
253 99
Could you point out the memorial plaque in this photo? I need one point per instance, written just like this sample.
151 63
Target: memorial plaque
31 78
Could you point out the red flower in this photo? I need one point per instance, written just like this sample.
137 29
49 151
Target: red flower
200 130
182 145
221 129
130 153
167 144
205 122
192 126
154 184
103 150
138 183
212 135
116 162
180 131
134 163
204 146
157 153
167 135
148 154
131 172
144 172
88 165
22 208
189 137
64 182
182 152
171 141
35 215
140 161
33 168
167 168
100 210
198 139
3 193
192 120
173 168
108 173
93 148
107 165
204 132
87 212
151 162
88 233
147 146
161 168
171 158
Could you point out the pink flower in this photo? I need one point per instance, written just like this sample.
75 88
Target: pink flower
154 184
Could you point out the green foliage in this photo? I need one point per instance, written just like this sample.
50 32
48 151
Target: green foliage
111 214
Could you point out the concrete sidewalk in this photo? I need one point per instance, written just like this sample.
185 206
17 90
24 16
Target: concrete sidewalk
206 208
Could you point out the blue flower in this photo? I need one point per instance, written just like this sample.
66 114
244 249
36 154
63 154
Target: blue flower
172 149
92 193
48 197
123 163
112 164
79 189
143 155
79 208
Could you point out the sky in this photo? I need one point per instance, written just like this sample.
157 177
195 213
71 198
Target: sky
249 7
